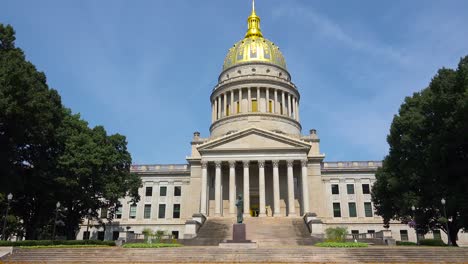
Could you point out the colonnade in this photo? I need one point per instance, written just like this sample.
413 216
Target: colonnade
246 187
255 99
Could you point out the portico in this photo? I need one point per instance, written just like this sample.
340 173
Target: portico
261 180
268 169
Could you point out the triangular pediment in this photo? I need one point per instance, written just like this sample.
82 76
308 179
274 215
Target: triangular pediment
254 139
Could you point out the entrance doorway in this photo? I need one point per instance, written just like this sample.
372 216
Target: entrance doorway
254 205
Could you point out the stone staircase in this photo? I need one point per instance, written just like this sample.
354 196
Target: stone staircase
279 231
297 254
266 231
214 231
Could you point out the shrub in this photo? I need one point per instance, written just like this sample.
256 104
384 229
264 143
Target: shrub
405 243
146 245
336 234
432 242
54 242
341 244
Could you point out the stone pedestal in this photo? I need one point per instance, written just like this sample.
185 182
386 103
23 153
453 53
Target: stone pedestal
239 238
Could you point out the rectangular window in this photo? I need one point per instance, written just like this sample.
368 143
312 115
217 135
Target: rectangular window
175 234
103 212
355 234
335 189
115 235
100 235
437 235
237 107
371 231
133 209
149 191
228 110
336 210
162 191
352 209
254 105
365 189
118 212
281 108
270 106
86 235
176 212
162 211
177 191
350 188
368 209
404 235
147 212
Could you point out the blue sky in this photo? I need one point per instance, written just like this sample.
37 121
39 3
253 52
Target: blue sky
145 69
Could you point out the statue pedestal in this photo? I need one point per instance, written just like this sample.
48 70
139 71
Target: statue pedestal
238 238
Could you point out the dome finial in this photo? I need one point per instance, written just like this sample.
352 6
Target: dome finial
253 24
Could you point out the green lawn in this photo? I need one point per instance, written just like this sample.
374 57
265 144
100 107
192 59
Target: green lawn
341 244
147 245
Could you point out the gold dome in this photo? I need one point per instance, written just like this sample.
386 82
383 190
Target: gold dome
254 48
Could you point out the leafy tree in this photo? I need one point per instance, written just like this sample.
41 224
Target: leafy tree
47 154
94 171
30 114
428 158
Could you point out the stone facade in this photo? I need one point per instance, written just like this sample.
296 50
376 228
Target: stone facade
256 149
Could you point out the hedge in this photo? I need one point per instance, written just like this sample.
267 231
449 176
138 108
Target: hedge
432 242
405 243
341 244
54 242
147 245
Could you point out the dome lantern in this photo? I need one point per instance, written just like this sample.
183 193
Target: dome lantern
254 47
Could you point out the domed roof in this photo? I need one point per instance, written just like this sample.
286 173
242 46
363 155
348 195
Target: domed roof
254 48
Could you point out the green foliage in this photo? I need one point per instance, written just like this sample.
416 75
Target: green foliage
35 243
432 242
146 245
147 232
49 154
66 246
159 234
405 243
428 158
341 244
336 234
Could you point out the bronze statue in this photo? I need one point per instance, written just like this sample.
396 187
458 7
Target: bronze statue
240 206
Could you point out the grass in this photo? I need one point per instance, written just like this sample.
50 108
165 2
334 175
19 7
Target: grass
341 244
33 243
67 246
146 245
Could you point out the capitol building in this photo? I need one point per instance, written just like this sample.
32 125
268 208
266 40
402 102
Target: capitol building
256 149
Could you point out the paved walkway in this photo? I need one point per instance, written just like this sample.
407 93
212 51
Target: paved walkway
296 254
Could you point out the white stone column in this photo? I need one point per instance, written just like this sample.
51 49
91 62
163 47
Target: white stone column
305 187
289 105
216 108
246 189
283 108
240 100
276 189
261 183
204 188
232 188
231 109
297 110
249 100
291 203
218 188
267 100
275 106
212 112
219 107
294 107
